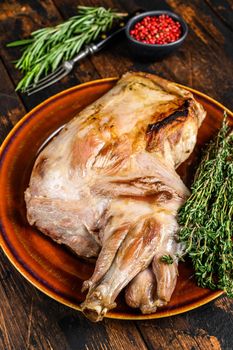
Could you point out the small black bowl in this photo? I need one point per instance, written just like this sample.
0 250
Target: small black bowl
152 52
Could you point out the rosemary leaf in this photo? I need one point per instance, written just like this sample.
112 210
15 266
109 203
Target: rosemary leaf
20 42
48 47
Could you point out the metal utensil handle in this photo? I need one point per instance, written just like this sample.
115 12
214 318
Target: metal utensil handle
94 47
88 50
110 37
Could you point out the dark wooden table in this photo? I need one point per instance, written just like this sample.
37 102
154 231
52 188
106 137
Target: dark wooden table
30 319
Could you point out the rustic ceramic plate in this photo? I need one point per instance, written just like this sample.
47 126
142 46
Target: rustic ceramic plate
50 267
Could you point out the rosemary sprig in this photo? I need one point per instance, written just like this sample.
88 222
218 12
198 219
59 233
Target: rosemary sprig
206 218
49 47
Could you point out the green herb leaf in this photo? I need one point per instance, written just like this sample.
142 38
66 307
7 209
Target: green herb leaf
49 47
206 218
20 42
167 259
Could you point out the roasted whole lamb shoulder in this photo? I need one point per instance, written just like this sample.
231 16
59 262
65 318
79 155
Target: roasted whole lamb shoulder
106 187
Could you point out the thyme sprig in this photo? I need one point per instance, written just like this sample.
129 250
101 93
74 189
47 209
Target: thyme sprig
167 259
49 47
206 218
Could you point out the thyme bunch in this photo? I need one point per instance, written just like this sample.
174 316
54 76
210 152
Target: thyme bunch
49 47
206 218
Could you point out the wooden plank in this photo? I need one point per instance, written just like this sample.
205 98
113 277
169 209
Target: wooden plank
223 10
12 108
205 60
208 327
17 22
190 65
20 300
108 62
29 319
71 327
124 335
199 62
82 334
26 316
195 64
113 60
116 60
84 70
23 319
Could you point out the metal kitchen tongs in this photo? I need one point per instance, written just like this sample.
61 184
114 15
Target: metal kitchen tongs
66 67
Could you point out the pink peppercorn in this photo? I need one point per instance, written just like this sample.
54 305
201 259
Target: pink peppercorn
157 30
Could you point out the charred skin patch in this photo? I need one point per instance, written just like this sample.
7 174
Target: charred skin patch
181 112
169 127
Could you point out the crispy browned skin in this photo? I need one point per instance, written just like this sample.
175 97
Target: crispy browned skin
153 287
108 180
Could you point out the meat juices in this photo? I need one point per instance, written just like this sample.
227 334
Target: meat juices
106 186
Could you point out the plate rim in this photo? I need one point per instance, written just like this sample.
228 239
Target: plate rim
31 279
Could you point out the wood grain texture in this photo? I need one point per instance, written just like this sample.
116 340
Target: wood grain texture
31 320
12 108
18 20
208 327
223 10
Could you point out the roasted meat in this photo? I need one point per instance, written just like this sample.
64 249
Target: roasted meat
106 186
